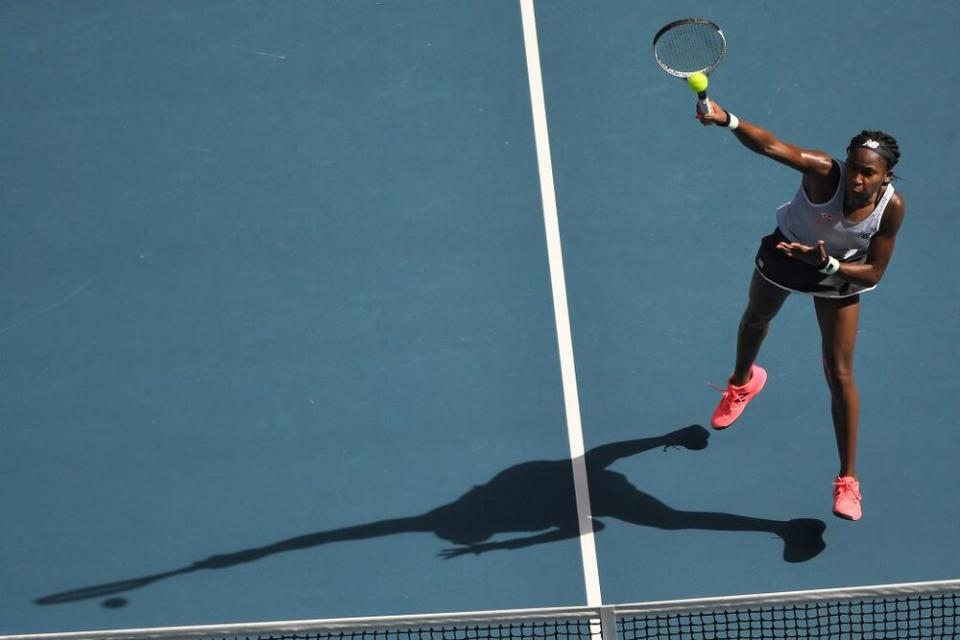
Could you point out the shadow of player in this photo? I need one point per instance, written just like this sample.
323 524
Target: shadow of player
534 498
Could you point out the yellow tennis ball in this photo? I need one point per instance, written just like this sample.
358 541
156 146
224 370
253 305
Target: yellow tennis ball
698 82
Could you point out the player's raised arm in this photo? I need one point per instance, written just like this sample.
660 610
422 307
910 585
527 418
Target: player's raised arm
810 162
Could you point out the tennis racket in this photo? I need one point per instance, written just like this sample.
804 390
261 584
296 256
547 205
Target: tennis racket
684 47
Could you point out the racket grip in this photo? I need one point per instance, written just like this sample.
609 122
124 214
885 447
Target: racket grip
703 103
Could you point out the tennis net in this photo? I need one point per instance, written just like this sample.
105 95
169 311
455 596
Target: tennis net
927 611
918 610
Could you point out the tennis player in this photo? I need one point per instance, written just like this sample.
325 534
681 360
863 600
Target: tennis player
833 241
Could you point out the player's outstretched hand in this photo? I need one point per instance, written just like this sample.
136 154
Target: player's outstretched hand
717 115
456 552
815 256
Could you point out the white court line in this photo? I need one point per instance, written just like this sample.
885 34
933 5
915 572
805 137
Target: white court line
49 308
588 549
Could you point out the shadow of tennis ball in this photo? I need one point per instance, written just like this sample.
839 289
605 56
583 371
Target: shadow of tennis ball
115 603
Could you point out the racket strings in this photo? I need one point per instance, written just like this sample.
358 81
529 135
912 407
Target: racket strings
688 48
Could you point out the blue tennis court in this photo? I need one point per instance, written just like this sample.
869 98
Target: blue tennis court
277 314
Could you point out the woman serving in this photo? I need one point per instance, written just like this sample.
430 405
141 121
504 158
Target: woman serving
833 241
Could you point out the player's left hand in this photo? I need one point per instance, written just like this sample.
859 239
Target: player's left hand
814 256
456 552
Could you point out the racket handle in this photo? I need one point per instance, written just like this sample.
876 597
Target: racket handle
703 103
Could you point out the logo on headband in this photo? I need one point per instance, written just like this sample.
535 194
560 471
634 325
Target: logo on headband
870 143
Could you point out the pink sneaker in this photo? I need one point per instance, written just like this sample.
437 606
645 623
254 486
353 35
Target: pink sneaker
846 498
735 399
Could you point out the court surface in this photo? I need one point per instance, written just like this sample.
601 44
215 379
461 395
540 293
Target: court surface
277 326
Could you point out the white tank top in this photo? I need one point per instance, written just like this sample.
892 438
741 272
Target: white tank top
806 222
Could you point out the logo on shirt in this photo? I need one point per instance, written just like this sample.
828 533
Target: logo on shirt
826 216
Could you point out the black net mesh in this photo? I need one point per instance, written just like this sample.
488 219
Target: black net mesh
904 617
532 630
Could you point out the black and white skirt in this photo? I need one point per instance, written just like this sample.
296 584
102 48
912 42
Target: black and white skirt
797 276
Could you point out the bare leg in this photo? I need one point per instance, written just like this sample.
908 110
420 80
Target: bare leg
765 301
838 320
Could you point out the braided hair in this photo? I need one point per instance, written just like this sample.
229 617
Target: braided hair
882 143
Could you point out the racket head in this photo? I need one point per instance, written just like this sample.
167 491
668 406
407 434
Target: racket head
688 46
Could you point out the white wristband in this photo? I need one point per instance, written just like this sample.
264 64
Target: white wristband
832 266
734 121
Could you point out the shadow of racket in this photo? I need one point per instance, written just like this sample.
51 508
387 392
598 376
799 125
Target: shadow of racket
111 588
